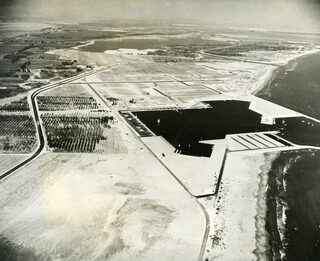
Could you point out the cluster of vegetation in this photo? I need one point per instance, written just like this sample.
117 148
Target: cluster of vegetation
242 49
75 133
177 51
19 105
9 92
24 53
61 103
18 133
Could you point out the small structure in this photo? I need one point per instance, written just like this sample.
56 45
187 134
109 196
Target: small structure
267 119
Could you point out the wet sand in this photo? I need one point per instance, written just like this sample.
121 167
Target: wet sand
294 196
238 227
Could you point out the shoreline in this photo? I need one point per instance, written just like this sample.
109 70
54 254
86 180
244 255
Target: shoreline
91 42
240 226
261 235
283 211
271 73
267 77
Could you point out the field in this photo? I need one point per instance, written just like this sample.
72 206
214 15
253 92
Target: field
8 161
70 96
20 105
17 133
133 72
100 192
78 133
238 232
183 93
69 89
151 84
131 95
24 63
149 42
253 49
61 103
93 207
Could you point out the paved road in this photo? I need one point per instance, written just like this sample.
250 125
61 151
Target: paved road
207 218
36 116
41 144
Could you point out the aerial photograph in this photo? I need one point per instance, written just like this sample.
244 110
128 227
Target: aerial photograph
159 130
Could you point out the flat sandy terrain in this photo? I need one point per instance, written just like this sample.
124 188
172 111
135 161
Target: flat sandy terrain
198 174
93 207
72 90
238 231
10 160
134 199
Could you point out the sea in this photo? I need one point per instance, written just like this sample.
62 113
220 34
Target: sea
294 178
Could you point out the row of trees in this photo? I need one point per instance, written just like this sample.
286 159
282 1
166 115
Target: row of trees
17 133
19 105
60 103
74 133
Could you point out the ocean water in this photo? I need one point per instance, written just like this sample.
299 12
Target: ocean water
294 182
294 179
296 86
183 129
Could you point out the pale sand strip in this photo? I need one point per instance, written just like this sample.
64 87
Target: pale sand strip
238 224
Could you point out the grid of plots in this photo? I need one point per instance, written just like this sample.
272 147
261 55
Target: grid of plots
255 141
75 133
62 103
17 133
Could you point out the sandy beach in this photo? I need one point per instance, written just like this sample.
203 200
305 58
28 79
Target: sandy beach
237 231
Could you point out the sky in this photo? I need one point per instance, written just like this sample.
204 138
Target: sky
280 15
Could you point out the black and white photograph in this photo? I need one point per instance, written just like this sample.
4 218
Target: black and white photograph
159 130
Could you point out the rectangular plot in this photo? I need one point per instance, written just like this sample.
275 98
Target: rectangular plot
61 103
278 139
17 133
254 141
263 141
270 140
74 133
233 145
244 142
69 89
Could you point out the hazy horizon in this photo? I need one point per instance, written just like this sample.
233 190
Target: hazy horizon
279 15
